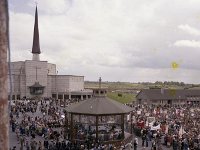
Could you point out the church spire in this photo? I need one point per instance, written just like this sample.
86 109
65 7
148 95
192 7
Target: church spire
36 41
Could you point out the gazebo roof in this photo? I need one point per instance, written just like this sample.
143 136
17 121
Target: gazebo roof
99 105
36 84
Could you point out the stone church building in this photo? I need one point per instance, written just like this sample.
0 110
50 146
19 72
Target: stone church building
37 78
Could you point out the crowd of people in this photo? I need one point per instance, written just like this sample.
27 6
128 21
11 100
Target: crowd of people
39 125
176 127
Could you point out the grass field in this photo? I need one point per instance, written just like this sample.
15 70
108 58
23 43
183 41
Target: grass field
115 85
124 98
123 87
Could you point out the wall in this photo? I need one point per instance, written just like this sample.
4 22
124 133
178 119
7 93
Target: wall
59 83
18 78
65 83
51 69
30 71
76 83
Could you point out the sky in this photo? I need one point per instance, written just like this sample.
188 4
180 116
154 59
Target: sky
117 40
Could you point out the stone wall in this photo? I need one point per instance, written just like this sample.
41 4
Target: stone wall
76 83
59 83
51 69
36 71
18 78
26 73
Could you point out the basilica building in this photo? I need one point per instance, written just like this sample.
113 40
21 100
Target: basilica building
38 78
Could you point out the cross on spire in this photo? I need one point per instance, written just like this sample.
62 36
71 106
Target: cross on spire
100 82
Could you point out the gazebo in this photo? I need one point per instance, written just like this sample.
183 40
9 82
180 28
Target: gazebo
36 89
99 118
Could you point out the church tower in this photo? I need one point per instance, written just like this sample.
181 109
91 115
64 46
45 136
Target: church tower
36 40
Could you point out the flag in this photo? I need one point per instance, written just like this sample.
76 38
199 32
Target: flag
155 127
150 124
139 112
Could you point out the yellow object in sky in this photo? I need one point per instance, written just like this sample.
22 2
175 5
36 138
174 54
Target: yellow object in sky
175 65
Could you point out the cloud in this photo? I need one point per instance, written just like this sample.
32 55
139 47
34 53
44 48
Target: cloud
53 7
187 43
189 29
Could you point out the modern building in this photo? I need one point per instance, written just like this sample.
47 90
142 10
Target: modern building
37 78
168 96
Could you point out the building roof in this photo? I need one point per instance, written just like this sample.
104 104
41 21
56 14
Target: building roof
158 94
36 39
100 105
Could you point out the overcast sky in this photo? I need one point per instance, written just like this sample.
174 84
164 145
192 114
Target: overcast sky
119 40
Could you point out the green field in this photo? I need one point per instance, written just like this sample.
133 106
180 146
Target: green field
124 98
129 90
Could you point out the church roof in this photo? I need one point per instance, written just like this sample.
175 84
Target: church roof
36 40
100 105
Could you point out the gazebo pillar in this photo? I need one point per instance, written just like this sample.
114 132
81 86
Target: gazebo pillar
97 122
64 103
71 128
81 97
131 123
122 125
